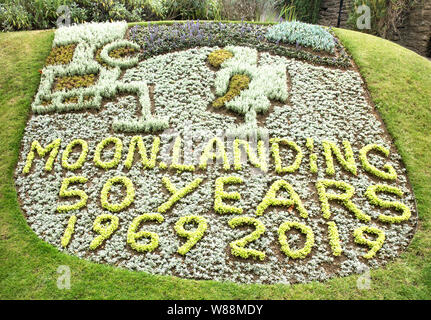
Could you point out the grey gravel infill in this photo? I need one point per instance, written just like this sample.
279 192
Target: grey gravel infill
324 104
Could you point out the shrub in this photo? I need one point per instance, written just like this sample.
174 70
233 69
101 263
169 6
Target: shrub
304 34
78 14
263 10
306 10
13 16
42 14
24 14
191 9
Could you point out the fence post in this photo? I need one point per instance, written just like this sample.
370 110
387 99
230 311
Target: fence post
339 13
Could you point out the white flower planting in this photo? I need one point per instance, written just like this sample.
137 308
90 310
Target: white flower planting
89 37
267 82
143 211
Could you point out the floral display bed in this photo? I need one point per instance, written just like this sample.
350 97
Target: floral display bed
231 152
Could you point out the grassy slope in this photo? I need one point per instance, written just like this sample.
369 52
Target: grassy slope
28 265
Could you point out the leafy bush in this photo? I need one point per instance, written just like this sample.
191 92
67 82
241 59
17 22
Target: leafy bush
14 17
261 10
78 14
306 10
191 9
110 10
271 10
42 14
304 34
24 14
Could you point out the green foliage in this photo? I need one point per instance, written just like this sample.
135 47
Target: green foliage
110 10
288 13
13 16
191 9
305 10
78 14
269 10
24 14
42 14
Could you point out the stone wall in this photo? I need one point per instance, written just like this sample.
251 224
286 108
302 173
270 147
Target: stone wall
329 12
414 33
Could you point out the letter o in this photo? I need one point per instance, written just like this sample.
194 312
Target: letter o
117 156
82 157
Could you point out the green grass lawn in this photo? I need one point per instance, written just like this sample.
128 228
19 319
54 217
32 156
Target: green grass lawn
400 84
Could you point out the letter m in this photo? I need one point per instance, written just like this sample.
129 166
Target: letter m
52 149
241 310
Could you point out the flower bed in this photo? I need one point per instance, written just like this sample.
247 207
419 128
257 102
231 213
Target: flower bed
292 179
